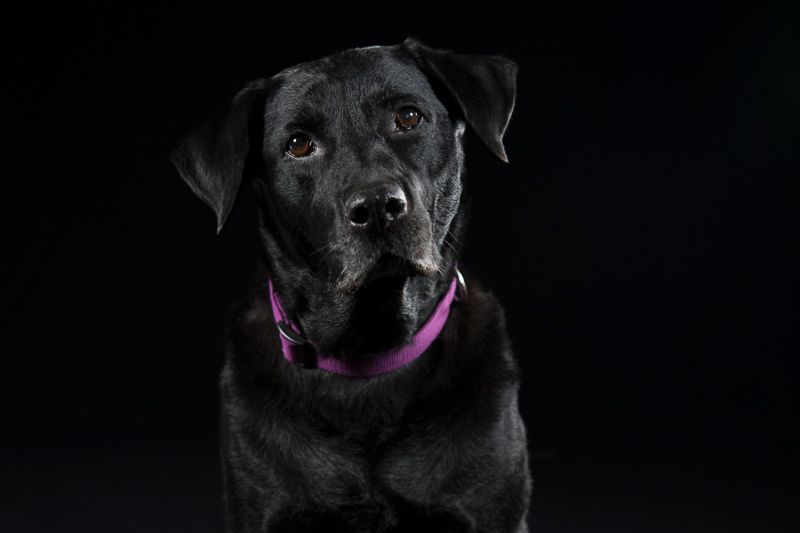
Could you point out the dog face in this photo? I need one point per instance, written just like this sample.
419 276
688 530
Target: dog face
365 155
360 160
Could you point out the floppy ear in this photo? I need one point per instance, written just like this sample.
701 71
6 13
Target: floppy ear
212 158
483 86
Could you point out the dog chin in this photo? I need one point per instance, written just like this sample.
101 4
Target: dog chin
384 267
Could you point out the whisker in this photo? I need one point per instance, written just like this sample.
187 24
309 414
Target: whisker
451 247
327 249
322 248
331 249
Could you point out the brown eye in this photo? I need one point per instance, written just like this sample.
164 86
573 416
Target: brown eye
407 118
299 145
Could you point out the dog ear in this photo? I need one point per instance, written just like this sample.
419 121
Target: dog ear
212 158
484 87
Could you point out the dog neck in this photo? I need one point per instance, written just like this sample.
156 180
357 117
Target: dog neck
298 350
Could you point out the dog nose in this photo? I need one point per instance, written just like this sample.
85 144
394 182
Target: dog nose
376 205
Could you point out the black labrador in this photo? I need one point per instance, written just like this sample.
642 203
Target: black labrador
335 416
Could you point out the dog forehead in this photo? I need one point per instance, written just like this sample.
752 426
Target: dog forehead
348 78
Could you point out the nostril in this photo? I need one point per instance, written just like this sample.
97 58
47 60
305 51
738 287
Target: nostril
395 207
359 214
376 206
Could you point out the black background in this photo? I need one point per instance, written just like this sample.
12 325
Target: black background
640 240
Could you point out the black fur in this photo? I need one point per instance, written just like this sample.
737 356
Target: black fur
437 445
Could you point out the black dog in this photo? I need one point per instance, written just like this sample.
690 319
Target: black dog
359 393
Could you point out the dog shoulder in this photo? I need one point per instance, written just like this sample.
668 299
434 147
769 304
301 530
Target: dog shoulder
250 342
482 335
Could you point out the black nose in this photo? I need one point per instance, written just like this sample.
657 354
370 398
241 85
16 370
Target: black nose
376 206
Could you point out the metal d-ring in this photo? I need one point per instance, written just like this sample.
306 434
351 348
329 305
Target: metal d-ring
290 334
462 286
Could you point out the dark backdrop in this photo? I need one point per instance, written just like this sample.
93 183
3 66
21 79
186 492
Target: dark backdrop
640 239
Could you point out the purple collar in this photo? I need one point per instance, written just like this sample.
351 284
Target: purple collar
299 351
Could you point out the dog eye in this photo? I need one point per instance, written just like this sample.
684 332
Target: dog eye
299 145
407 118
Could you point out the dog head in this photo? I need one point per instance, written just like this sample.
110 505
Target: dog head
357 158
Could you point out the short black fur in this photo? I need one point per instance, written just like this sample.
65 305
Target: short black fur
437 445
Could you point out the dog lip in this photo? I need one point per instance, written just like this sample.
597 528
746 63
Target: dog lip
388 265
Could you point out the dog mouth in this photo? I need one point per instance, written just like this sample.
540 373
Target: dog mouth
393 266
408 250
385 266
